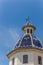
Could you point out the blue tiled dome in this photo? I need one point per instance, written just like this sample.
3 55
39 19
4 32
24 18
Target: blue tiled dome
28 41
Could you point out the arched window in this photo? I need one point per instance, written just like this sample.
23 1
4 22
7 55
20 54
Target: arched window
25 58
31 31
27 30
40 60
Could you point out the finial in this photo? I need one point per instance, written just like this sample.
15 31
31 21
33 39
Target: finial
28 19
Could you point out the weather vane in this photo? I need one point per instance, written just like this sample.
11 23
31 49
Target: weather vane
28 19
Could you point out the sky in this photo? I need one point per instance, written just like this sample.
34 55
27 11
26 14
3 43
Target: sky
13 14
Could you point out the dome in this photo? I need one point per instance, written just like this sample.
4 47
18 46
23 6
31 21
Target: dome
28 41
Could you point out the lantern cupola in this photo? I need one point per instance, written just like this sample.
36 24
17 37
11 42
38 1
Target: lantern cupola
28 28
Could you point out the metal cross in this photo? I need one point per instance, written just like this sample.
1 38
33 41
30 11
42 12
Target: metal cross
28 19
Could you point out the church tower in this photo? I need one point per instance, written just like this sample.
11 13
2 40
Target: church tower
28 50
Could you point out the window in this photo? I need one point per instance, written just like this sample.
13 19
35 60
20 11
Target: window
40 60
31 31
13 61
27 30
25 59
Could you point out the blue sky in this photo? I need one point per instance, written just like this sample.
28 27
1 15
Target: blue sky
12 17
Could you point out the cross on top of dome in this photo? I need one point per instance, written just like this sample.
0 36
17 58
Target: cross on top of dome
28 19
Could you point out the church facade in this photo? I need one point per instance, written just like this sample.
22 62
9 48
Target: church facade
28 50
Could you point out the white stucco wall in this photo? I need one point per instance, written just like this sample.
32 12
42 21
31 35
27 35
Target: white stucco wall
32 58
19 58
